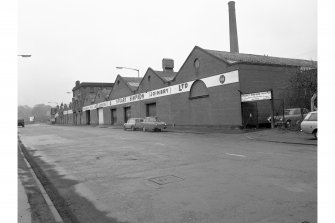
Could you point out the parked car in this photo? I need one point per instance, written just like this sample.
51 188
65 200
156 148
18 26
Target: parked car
310 124
20 122
292 116
133 124
152 123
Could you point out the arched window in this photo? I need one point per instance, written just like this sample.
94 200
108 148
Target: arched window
198 90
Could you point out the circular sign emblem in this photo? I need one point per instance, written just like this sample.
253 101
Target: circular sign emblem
222 79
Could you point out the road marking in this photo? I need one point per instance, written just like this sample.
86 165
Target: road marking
232 154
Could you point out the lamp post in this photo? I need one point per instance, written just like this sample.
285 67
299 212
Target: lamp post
138 71
138 75
24 55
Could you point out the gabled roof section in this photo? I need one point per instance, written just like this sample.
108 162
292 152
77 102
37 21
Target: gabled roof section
234 58
166 76
189 55
132 82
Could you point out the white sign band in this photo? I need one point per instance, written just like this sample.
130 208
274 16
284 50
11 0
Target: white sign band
212 81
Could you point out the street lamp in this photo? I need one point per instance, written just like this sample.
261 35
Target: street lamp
24 55
138 71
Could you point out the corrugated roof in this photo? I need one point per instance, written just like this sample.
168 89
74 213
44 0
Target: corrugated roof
133 82
166 75
258 59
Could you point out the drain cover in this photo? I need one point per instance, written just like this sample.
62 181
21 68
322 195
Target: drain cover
165 179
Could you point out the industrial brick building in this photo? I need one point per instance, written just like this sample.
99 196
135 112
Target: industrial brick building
80 92
208 90
205 91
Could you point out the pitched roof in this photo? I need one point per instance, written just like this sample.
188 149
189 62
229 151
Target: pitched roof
93 84
133 82
166 75
233 58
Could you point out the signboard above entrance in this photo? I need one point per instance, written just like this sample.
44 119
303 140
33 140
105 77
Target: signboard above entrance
265 95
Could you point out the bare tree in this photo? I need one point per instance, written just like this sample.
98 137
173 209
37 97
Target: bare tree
301 88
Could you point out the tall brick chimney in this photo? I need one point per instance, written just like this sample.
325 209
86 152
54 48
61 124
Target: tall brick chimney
232 28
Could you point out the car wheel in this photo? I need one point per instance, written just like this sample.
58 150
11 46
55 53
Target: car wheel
315 133
288 123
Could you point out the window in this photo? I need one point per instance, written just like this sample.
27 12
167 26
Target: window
113 116
149 77
313 117
198 90
196 63
294 111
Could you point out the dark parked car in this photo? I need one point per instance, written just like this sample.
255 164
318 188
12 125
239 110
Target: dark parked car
292 116
152 123
133 124
20 122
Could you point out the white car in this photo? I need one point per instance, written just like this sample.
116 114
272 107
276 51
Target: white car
309 124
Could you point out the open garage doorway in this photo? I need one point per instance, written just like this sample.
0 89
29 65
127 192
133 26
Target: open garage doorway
127 114
113 117
88 117
151 110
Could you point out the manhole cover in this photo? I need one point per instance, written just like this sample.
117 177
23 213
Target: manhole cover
165 179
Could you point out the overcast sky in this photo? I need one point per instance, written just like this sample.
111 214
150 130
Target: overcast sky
86 39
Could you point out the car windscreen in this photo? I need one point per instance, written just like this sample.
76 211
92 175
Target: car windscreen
292 111
151 119
313 117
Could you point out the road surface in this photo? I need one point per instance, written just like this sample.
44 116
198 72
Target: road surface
110 175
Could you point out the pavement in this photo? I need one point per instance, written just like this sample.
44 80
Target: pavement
24 215
283 136
278 135
32 206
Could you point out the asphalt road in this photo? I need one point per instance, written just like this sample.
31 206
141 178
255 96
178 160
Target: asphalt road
110 175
